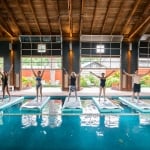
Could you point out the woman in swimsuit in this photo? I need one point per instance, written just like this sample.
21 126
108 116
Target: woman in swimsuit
4 79
38 77
102 82
72 86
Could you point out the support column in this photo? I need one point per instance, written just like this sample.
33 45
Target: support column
129 61
11 63
71 60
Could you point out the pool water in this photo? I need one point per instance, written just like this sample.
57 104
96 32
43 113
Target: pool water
51 130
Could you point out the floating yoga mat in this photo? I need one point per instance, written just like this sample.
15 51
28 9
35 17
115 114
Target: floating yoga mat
140 106
8 103
72 105
106 106
34 105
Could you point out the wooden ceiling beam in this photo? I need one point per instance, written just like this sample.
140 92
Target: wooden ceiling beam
105 18
148 25
130 16
47 17
59 21
145 23
117 17
70 17
23 16
81 16
4 30
12 17
94 14
33 12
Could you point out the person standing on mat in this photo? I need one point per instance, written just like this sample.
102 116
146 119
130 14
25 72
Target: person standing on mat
4 79
102 82
38 77
136 77
72 86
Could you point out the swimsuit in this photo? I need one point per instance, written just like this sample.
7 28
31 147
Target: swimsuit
38 82
103 80
73 84
4 80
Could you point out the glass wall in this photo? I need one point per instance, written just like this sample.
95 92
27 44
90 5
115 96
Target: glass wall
41 53
99 54
144 61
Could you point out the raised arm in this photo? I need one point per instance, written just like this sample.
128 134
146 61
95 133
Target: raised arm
95 74
1 71
127 73
79 73
110 73
10 70
145 73
42 72
65 70
33 71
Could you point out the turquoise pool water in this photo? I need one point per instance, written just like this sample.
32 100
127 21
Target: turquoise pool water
51 130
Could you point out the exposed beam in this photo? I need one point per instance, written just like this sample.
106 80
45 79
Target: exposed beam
33 12
130 17
3 29
23 16
117 17
105 18
81 16
94 14
47 17
144 23
11 16
70 17
59 21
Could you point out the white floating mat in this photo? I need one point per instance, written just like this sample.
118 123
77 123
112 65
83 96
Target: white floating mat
141 105
72 106
5 103
34 105
106 106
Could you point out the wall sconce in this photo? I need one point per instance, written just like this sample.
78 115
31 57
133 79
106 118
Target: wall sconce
10 46
130 46
70 45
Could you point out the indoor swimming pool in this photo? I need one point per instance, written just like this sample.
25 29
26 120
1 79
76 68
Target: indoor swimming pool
51 129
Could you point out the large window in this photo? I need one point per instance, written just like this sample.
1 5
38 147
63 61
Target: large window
144 54
42 53
99 53
144 59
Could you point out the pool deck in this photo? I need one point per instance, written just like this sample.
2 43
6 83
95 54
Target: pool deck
93 91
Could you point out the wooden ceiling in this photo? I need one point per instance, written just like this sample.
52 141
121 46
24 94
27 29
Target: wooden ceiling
72 18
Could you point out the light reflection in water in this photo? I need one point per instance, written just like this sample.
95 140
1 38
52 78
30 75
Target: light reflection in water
29 120
55 119
144 119
50 116
111 121
1 117
90 115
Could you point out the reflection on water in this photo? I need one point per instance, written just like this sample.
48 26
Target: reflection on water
111 121
29 120
90 130
50 116
144 119
90 115
1 117
54 109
